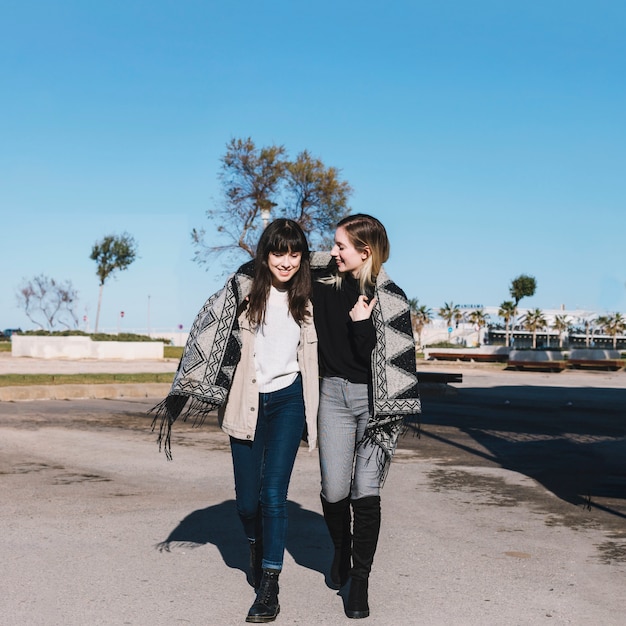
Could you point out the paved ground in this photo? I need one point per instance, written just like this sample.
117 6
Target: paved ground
25 365
509 509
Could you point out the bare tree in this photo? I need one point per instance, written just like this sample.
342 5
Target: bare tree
316 198
48 303
250 178
259 184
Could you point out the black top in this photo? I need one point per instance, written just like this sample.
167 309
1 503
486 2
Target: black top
345 347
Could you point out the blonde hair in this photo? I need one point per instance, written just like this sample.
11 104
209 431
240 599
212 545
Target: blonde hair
365 231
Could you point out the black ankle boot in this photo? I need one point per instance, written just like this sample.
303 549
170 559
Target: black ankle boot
338 519
357 606
256 559
265 607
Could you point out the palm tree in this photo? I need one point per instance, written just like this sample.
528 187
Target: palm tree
562 325
615 325
479 318
602 324
413 307
450 311
113 253
534 320
423 317
588 328
507 312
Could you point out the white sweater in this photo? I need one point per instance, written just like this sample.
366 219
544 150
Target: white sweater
276 345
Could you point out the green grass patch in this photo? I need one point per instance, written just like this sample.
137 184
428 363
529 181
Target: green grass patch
93 336
445 344
20 380
5 346
172 352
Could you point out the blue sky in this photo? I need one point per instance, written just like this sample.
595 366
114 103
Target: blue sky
488 136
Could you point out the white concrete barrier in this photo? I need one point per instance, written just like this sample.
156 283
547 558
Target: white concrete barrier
552 360
593 354
535 356
80 347
596 358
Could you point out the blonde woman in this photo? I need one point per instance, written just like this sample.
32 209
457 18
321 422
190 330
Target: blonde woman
368 390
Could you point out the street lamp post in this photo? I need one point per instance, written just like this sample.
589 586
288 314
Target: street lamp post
265 216
266 212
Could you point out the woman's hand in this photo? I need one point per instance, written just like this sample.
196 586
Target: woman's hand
362 310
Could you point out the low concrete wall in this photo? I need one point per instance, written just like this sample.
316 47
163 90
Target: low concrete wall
84 348
79 391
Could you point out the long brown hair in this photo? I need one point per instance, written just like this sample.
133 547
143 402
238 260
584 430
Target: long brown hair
281 235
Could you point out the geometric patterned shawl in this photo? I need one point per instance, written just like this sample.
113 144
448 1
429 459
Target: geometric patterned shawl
395 391
205 372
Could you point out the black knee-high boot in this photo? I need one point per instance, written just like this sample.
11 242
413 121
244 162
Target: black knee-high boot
337 517
265 607
364 541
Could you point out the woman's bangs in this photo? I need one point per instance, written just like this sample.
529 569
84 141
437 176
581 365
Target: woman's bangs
282 244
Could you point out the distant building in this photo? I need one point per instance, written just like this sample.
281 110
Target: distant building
584 331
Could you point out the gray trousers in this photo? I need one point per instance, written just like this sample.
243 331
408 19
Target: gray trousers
347 469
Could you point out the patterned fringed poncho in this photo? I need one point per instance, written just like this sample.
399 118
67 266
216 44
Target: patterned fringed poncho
213 349
395 392
206 369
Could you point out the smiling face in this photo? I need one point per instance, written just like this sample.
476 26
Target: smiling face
283 267
347 257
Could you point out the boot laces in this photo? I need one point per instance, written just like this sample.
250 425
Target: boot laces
268 582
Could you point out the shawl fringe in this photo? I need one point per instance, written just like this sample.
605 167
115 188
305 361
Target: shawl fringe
211 354
384 436
173 407
412 424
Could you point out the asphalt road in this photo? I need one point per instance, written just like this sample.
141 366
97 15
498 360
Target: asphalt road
510 508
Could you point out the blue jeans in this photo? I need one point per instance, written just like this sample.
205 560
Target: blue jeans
347 464
263 469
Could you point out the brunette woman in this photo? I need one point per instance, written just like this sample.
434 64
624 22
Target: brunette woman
261 325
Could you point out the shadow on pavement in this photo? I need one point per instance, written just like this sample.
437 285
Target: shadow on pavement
571 440
220 525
